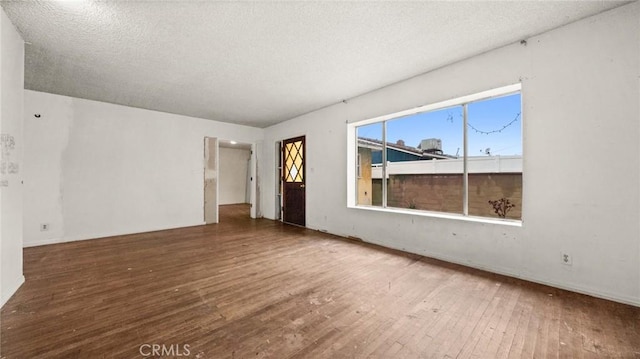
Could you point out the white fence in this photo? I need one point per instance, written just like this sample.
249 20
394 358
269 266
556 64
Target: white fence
484 164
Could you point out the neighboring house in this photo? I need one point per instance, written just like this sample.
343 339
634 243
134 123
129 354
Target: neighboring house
370 155
399 152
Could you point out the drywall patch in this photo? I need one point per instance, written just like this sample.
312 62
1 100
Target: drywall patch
7 165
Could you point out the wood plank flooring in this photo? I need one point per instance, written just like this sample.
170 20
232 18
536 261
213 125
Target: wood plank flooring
257 288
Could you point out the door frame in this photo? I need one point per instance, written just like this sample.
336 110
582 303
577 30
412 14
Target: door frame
278 181
211 173
280 186
254 189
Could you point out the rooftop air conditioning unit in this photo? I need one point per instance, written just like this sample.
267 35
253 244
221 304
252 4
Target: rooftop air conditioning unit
431 145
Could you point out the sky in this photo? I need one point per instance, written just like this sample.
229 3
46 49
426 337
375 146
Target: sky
446 124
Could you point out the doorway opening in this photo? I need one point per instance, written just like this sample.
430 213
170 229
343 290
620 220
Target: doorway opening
229 180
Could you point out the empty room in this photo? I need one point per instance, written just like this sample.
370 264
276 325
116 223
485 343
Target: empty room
194 179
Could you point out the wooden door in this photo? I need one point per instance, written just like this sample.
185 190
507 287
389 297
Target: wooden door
293 181
210 180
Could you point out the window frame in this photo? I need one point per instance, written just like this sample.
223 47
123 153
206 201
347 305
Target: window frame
352 160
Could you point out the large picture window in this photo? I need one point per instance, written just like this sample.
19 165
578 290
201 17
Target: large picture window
462 156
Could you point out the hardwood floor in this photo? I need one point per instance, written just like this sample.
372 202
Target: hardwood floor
257 288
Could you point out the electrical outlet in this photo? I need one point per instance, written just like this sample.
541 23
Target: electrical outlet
44 227
566 259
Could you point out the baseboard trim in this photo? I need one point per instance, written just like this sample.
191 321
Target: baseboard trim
506 272
45 242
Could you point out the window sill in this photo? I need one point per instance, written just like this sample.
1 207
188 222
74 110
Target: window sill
459 217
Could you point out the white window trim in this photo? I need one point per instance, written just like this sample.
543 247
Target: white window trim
352 152
445 215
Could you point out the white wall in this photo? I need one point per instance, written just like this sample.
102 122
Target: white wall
580 93
11 191
94 169
232 187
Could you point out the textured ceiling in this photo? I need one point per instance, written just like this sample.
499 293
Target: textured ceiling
259 63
